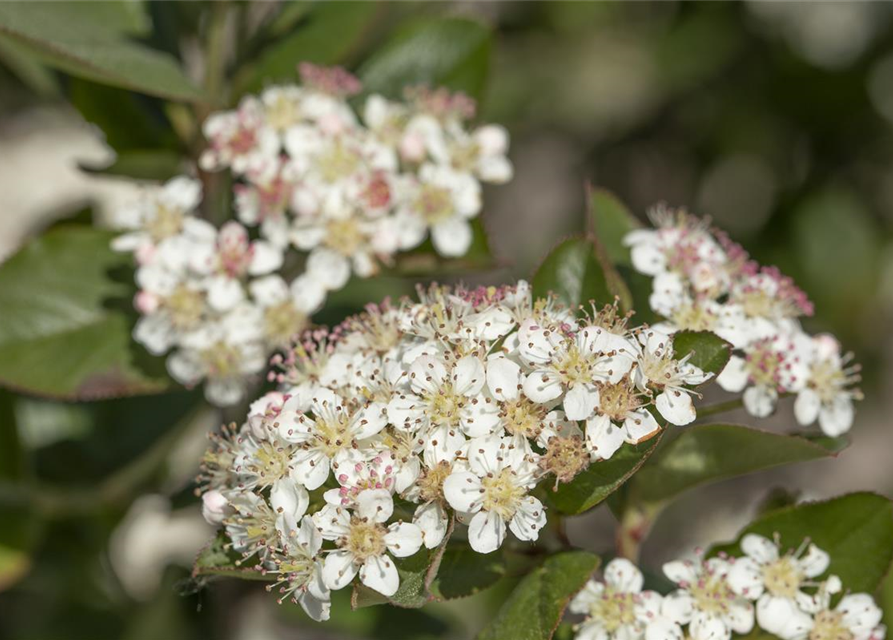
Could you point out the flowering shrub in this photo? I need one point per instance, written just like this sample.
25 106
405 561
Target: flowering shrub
349 192
424 448
473 414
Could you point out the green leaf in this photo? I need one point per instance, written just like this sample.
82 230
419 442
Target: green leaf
61 333
610 221
856 530
325 35
703 454
148 164
537 604
449 52
464 572
90 40
708 351
601 479
573 273
216 559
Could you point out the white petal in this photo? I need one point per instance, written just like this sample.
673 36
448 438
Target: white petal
603 437
486 532
678 606
529 519
815 562
624 576
734 376
312 471
265 258
806 407
746 578
760 401
503 378
331 269
579 402
288 497
375 505
339 569
663 629
468 376
452 238
676 407
640 425
379 573
463 491
542 386
708 627
225 293
403 539
837 418
760 548
681 571
432 521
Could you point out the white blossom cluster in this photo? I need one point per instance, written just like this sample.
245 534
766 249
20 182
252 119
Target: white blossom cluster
780 593
704 281
346 192
408 416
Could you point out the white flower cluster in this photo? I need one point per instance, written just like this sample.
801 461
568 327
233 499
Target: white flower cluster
312 175
704 281
721 596
406 416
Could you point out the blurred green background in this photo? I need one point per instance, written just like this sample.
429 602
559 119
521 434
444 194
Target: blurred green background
773 118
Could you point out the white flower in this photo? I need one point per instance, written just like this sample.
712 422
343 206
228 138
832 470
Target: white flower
620 415
286 308
158 214
327 439
236 137
299 568
440 399
855 617
443 200
769 366
569 366
494 492
827 394
775 581
618 608
670 378
365 544
705 601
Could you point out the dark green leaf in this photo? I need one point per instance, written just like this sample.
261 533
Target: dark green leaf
216 559
573 273
465 572
537 604
326 34
611 221
703 454
61 333
450 52
708 351
856 530
601 479
90 41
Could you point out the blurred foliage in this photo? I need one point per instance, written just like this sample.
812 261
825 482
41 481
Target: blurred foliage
760 116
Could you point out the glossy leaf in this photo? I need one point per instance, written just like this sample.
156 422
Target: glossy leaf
573 273
64 331
464 572
450 52
708 453
601 479
91 41
855 529
708 351
323 34
611 220
537 604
